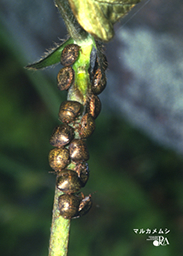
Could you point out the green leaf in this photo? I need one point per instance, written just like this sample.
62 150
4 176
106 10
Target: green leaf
98 16
50 58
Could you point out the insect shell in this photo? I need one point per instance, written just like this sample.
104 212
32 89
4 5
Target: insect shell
99 82
68 205
68 181
69 110
87 126
93 106
69 54
62 135
72 206
65 78
58 158
78 150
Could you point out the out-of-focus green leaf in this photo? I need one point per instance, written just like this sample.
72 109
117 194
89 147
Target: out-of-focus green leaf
98 17
51 58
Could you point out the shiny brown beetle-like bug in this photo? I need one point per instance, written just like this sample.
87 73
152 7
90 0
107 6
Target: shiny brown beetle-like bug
104 62
78 150
58 158
65 78
73 206
83 172
69 110
68 181
69 54
87 126
99 82
84 206
68 205
93 106
62 135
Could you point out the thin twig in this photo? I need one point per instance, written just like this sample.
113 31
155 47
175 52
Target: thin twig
59 230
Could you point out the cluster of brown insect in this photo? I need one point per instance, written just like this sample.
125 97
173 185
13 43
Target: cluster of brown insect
69 156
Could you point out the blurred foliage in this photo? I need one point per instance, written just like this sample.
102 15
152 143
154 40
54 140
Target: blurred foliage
134 182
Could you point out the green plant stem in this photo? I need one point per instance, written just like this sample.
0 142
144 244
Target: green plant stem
79 91
73 27
60 227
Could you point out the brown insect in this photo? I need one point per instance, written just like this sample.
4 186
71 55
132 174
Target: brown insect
69 54
58 158
69 110
93 106
68 205
99 82
82 171
73 206
65 78
84 206
68 181
87 126
62 135
78 150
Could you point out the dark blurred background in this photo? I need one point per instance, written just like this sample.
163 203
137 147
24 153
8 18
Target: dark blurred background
136 163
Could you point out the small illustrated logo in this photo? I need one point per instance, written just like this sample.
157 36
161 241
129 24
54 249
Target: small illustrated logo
158 237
